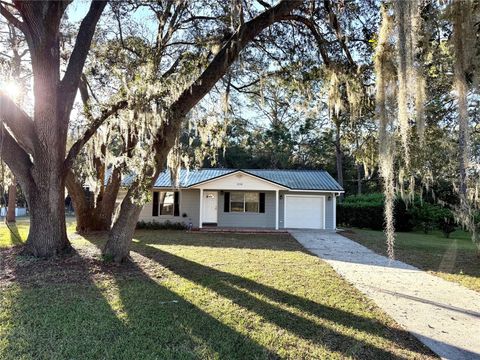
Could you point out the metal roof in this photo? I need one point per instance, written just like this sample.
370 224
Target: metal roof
292 179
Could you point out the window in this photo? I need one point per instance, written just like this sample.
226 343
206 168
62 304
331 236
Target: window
167 202
244 202
251 202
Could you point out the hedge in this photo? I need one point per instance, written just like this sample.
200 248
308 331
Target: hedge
366 211
166 225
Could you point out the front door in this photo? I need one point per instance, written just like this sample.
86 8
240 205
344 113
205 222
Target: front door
210 207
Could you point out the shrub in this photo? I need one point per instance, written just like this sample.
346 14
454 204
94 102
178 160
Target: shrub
366 211
430 216
447 225
425 216
166 225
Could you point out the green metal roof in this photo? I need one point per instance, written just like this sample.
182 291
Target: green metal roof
292 179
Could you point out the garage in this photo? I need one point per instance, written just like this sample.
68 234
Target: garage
304 211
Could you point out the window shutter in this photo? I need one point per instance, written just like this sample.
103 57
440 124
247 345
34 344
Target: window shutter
226 202
176 204
262 203
155 204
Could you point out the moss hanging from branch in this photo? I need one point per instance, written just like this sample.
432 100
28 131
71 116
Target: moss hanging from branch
400 95
402 12
384 71
460 17
465 46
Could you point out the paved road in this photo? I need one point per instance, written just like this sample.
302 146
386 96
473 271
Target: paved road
443 315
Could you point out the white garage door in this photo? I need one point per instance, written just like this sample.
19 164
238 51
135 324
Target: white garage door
304 212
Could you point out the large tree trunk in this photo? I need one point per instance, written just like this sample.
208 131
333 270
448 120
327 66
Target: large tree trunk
92 219
12 202
36 153
46 197
117 247
47 236
94 215
120 236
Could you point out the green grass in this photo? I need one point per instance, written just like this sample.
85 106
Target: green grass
453 258
192 296
16 233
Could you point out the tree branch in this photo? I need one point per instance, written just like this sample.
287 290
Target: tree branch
228 54
83 42
316 34
264 4
241 87
77 146
18 123
13 20
16 158
334 23
172 68
83 89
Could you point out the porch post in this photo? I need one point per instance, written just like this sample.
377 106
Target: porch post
277 202
200 210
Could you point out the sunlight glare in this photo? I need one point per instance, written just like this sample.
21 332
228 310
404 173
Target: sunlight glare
11 88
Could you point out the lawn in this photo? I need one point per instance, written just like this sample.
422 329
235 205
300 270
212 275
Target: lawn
453 259
190 296
16 233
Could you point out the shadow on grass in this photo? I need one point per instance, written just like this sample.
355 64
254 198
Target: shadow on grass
181 329
123 315
240 291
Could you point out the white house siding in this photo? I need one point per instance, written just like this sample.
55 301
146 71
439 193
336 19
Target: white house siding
248 220
329 207
189 205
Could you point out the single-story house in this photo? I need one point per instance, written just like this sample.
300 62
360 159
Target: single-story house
272 199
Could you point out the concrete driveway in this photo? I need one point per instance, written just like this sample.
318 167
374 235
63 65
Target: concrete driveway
443 315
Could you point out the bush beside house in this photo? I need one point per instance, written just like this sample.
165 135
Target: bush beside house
166 225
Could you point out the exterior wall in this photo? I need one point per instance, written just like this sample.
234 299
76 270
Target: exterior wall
248 220
189 205
329 208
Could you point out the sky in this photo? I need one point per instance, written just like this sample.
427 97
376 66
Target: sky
79 8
